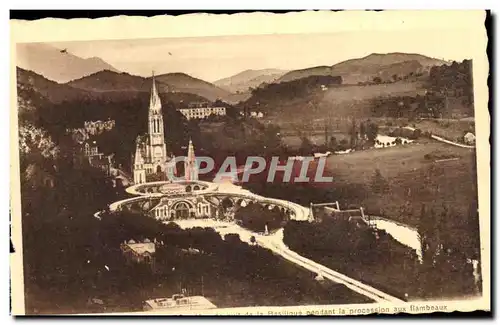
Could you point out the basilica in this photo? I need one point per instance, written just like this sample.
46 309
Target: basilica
152 162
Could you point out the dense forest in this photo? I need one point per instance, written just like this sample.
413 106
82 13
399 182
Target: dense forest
263 97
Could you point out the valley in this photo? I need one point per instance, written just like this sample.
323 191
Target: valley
372 119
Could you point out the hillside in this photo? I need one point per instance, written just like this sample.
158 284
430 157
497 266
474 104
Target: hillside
55 65
366 68
181 82
244 80
47 89
297 104
109 81
104 81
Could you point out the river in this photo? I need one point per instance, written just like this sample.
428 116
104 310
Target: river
404 234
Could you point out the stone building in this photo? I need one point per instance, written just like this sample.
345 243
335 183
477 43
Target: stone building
190 166
98 127
469 138
139 252
151 159
90 148
202 112
188 207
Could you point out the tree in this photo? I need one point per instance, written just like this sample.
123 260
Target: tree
343 144
371 132
353 132
379 184
428 241
377 80
333 143
255 217
306 147
362 130
394 77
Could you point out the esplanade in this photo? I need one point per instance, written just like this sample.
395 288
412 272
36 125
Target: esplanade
170 200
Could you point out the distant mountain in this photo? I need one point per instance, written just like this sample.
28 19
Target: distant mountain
244 80
55 64
40 87
181 82
106 80
369 67
109 81
35 87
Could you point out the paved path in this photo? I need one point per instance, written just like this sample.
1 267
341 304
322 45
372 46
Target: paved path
435 137
272 242
275 243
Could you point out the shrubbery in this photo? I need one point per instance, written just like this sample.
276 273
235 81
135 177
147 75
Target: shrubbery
255 217
344 240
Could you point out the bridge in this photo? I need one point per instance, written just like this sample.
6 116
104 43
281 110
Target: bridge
173 192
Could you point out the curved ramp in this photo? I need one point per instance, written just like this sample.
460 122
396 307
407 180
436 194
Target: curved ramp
275 242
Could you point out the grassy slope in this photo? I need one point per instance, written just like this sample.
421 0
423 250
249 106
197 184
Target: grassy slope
340 101
412 179
448 129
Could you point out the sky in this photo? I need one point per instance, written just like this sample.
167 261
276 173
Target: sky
213 58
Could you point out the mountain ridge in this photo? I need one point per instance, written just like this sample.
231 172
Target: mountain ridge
58 93
368 67
250 78
55 64
176 82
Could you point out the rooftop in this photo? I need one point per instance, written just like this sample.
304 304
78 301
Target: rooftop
141 248
180 302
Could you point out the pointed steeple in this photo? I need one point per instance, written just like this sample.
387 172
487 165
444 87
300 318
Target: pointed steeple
191 156
190 168
138 159
154 101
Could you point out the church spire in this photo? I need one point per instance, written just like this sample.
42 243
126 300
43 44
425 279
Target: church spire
154 101
138 159
190 155
190 167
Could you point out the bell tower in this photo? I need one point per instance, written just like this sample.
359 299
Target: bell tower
190 167
158 149
139 170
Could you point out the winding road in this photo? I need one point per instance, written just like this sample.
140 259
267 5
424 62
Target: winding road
273 242
435 137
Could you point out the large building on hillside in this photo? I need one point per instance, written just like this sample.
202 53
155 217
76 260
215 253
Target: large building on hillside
151 159
202 111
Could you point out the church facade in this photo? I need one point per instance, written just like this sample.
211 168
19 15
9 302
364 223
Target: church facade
152 162
151 159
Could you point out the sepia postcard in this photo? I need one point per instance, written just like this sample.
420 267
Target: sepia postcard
292 164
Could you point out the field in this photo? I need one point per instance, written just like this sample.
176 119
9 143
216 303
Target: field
415 174
425 172
294 141
447 128
336 102
357 92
